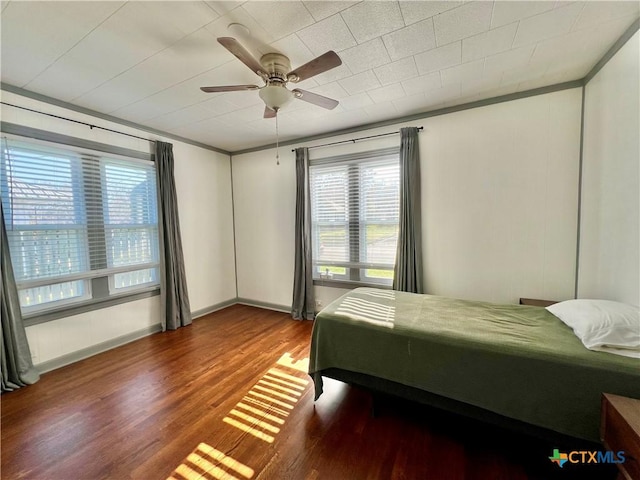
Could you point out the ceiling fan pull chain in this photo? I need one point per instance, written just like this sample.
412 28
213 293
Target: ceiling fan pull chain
277 140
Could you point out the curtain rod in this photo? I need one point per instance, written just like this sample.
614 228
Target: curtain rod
77 121
354 140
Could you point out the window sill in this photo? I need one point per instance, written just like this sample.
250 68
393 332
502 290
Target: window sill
348 284
88 306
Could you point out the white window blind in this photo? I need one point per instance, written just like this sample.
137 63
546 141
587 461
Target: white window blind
355 212
75 217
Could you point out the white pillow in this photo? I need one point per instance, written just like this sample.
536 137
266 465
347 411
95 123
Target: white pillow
602 324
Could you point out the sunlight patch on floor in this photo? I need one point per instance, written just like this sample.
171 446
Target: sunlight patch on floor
207 463
286 360
263 410
249 428
261 413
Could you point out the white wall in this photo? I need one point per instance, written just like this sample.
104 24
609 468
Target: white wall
500 196
264 206
203 184
610 214
499 193
66 336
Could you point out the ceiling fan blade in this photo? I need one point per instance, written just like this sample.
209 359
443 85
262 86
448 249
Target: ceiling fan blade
320 64
229 88
325 102
241 53
268 113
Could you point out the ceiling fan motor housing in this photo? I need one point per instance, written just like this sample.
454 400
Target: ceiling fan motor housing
276 66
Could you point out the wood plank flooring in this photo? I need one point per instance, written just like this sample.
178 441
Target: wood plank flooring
228 397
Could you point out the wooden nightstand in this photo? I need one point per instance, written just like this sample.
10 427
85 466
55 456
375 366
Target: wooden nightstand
620 431
536 302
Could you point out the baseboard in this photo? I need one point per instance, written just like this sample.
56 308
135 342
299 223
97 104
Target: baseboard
268 306
78 355
213 308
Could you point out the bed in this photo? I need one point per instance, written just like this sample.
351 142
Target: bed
512 362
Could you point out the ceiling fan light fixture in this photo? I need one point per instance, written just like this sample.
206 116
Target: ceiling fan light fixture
275 97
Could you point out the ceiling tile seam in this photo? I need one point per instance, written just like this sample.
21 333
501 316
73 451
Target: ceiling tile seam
376 75
571 29
404 20
74 45
204 120
330 16
626 36
391 31
484 65
184 124
295 34
384 44
347 25
174 85
273 37
399 28
429 49
310 14
442 45
609 21
423 115
435 38
63 104
369 97
433 24
575 20
437 45
538 42
380 36
144 60
533 51
415 64
515 35
103 116
399 84
493 11
212 9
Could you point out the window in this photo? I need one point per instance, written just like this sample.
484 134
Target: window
82 225
354 216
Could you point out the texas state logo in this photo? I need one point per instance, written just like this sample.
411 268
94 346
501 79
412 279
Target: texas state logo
586 456
559 458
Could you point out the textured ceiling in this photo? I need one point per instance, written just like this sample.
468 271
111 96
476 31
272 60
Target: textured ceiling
145 61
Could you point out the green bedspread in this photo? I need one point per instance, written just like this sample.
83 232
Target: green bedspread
517 361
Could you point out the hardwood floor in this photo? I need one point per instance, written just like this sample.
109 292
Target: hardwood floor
228 397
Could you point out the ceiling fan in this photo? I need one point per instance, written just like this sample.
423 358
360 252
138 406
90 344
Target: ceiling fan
275 71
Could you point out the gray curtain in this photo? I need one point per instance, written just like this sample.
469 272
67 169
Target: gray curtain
17 368
303 299
407 273
174 298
